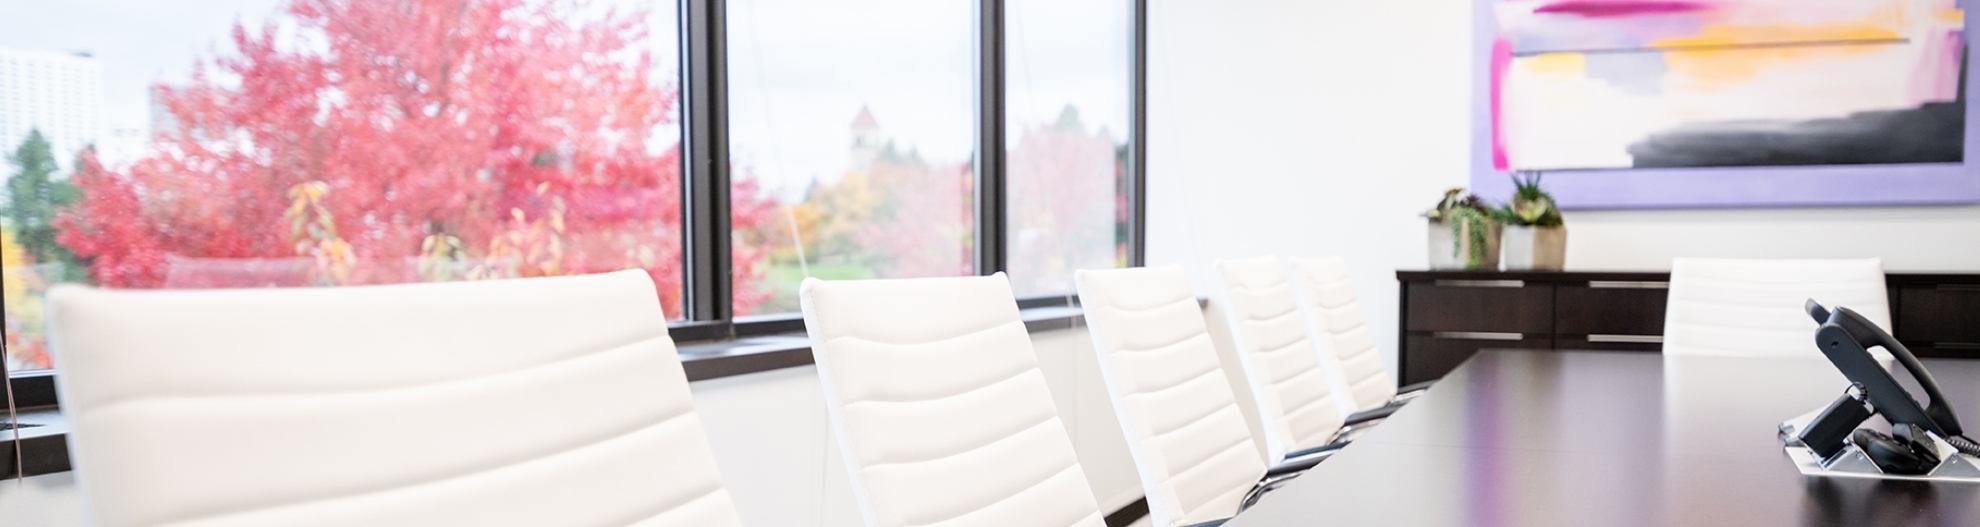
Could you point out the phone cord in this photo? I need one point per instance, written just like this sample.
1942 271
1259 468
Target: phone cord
1964 445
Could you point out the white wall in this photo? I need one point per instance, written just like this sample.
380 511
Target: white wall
43 501
1303 128
1298 128
1907 238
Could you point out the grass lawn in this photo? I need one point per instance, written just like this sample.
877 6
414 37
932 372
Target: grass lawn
783 278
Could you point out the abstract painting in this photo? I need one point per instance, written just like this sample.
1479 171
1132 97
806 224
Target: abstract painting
1773 102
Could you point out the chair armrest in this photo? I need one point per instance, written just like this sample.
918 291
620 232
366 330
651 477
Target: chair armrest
1328 449
1295 464
1371 415
1298 462
1413 388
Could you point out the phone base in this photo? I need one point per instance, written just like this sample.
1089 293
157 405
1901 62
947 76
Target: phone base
1852 463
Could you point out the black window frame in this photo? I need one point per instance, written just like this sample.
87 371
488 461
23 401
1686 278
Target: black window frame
708 312
708 283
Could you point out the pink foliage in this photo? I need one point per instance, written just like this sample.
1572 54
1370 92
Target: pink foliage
424 117
1064 205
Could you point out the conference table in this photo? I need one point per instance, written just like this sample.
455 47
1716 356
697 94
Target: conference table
1584 438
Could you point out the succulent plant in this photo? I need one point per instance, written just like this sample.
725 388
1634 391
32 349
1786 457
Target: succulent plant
1530 205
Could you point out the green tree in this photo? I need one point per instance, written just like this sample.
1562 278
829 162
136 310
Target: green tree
33 199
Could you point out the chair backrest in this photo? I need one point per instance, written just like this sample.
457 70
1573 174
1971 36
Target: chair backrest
550 401
1185 430
939 406
1327 301
1278 357
1731 307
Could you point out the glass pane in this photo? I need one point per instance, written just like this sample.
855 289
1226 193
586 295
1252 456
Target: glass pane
852 127
258 143
1067 79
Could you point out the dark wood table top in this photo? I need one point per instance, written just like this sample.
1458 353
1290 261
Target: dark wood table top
1892 278
1541 438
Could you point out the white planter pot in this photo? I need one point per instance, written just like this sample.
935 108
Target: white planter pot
1535 248
1443 241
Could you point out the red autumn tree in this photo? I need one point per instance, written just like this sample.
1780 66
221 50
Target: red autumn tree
1065 204
922 224
420 138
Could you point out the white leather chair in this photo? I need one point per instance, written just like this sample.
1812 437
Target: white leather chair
550 401
1279 360
1753 308
940 409
1354 366
1185 431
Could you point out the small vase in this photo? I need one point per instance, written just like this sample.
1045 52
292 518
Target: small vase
1535 248
1446 254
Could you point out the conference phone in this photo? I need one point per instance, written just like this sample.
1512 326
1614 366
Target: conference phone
1925 442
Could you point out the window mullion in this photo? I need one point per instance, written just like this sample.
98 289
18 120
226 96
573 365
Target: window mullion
1137 177
705 185
989 167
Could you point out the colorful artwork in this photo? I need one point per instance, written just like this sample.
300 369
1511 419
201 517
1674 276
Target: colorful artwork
1671 88
1632 84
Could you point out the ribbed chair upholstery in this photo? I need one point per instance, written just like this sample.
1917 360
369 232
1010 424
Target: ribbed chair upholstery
1278 358
940 409
550 401
1185 431
1352 362
1727 307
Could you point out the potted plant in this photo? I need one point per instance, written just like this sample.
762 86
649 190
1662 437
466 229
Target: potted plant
1534 239
1463 234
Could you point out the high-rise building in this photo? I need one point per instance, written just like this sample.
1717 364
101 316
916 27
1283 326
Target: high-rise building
59 93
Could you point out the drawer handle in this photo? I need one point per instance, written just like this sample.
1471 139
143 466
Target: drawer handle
1628 339
1616 284
1477 335
1481 283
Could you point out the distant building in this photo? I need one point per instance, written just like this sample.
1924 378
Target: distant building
163 122
866 142
127 140
59 93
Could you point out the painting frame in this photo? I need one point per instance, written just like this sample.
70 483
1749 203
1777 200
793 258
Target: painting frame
1723 187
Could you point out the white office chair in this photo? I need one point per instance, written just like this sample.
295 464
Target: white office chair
1354 366
936 397
551 401
1185 430
1278 358
1753 308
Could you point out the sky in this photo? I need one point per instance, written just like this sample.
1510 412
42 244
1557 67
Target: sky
799 69
137 43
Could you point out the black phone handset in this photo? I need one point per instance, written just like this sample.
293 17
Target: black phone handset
1845 338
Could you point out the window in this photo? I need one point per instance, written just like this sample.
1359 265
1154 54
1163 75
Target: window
337 143
349 143
851 136
1067 79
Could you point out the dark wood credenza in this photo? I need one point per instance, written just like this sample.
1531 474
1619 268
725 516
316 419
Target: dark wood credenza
1449 315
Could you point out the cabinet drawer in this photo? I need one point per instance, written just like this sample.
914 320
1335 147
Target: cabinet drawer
1939 314
1943 350
1429 357
1525 309
1624 308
